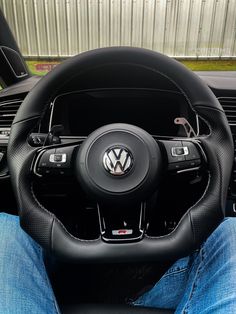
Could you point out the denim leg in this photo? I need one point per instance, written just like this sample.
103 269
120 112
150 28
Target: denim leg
24 284
205 282
169 290
211 286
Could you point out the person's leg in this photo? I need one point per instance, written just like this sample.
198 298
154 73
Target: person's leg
211 287
24 284
169 290
204 282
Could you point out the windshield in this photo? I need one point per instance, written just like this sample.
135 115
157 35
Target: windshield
200 34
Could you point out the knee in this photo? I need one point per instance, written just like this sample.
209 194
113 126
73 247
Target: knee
8 226
14 241
223 237
12 237
227 229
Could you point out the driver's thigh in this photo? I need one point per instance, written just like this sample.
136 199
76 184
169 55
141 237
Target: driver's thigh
203 282
24 284
211 286
169 290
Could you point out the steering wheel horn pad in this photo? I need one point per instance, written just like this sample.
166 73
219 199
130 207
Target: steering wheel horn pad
125 143
198 221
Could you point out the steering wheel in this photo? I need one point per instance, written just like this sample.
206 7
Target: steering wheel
122 164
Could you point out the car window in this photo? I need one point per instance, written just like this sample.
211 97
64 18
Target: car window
201 34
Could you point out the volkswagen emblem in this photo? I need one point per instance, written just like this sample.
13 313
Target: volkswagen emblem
117 160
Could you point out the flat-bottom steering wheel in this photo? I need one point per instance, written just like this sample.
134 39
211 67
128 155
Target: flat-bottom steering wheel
122 164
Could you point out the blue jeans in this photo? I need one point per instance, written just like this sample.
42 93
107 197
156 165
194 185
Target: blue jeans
24 284
204 282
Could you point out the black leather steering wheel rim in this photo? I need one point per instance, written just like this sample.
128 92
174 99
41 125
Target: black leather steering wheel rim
197 223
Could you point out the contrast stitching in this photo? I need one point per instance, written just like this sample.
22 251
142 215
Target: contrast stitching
169 273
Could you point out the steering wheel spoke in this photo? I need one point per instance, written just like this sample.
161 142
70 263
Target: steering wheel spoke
182 155
122 224
54 161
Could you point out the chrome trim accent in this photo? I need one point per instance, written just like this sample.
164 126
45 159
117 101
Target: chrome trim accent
186 125
2 136
122 232
35 162
185 148
10 102
142 230
188 170
102 225
123 240
226 97
51 114
117 160
198 126
52 158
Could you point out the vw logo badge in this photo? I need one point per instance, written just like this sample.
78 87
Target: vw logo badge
117 160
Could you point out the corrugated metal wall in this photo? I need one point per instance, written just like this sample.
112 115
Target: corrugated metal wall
180 28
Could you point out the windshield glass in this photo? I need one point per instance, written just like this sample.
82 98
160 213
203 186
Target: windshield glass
200 34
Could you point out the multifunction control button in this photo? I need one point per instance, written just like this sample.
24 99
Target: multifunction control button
182 155
193 152
55 161
179 151
58 158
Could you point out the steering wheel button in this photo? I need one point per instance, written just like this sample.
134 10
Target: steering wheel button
175 151
195 163
176 166
179 151
193 151
179 158
191 164
44 161
58 158
173 159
